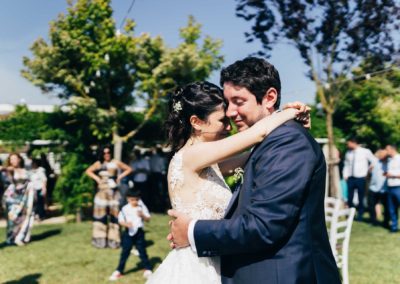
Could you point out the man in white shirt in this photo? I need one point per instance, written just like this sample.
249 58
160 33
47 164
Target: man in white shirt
393 182
356 167
377 192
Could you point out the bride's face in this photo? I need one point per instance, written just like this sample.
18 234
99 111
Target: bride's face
216 126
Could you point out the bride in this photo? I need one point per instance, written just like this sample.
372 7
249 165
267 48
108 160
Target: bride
197 131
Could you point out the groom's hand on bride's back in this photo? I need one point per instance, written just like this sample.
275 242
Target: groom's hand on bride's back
179 229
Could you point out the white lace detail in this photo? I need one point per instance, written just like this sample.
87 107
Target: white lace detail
175 167
207 200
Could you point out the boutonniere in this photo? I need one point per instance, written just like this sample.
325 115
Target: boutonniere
238 175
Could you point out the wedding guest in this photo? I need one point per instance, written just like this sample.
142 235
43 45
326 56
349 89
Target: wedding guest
377 188
131 217
107 199
50 175
355 171
2 186
158 180
393 182
141 171
38 178
18 202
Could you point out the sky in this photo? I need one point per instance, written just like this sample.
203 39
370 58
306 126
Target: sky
22 22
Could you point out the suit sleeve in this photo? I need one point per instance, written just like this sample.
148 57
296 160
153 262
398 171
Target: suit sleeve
282 171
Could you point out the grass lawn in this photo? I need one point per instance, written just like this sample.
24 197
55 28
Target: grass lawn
63 254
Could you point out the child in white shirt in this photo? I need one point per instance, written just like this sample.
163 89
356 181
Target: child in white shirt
131 217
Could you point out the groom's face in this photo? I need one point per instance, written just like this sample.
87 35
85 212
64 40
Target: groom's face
243 108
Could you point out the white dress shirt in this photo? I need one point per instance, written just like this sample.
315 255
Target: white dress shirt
356 163
394 169
191 234
38 178
378 180
130 214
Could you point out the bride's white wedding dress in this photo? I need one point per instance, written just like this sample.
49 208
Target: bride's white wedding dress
207 199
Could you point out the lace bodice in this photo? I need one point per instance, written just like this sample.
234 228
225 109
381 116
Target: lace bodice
207 199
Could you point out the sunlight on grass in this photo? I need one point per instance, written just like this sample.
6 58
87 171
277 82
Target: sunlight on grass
63 254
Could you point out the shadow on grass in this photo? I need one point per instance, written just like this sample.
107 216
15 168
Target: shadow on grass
28 279
149 243
153 261
37 237
3 245
45 235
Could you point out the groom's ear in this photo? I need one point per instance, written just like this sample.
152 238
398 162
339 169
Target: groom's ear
269 99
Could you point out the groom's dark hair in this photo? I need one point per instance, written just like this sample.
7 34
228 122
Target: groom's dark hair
256 75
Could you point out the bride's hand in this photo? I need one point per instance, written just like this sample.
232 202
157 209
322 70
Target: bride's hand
303 113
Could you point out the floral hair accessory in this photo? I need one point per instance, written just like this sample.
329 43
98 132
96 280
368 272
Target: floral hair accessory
177 106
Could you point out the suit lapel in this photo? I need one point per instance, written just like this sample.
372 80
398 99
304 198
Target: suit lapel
233 199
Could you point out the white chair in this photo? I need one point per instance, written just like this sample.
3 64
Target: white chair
332 206
339 237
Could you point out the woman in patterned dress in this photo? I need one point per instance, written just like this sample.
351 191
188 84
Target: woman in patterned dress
18 202
105 172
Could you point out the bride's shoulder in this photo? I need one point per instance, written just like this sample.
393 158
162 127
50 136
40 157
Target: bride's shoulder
176 162
177 156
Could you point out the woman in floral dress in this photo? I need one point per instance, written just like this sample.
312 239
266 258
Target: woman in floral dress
18 202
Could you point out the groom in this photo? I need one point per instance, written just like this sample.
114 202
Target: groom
274 227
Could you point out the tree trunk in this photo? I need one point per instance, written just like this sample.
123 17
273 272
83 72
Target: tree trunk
78 215
332 190
118 145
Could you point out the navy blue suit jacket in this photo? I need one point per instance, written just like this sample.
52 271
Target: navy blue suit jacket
274 230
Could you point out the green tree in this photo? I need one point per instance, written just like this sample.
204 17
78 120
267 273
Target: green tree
23 126
331 37
318 125
104 70
370 109
74 190
100 72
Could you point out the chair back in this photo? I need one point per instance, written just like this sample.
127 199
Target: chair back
339 237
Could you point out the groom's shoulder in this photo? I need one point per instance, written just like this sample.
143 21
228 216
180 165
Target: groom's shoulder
290 127
292 131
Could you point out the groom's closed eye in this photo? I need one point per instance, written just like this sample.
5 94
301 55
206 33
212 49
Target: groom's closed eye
238 102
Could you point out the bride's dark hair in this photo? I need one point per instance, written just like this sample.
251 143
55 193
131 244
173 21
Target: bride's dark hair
198 98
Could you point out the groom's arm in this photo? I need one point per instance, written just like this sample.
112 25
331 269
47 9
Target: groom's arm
282 173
